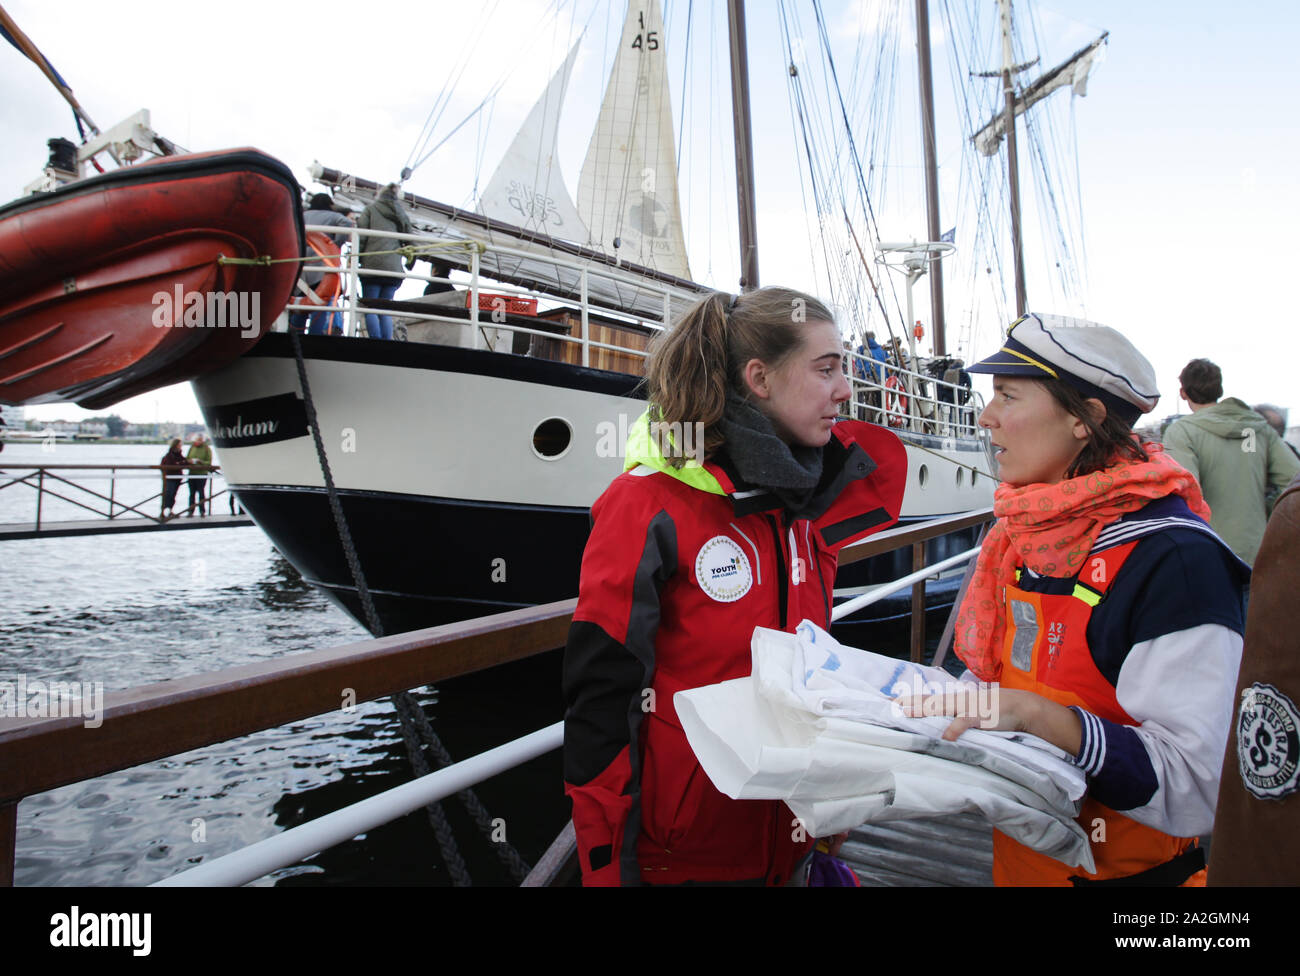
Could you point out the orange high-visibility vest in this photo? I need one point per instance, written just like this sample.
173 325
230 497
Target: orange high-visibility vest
1045 650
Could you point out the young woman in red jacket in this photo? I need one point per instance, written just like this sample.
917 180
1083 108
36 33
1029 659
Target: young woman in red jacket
740 486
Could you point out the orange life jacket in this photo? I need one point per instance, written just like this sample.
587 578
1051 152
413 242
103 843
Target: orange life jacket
1045 650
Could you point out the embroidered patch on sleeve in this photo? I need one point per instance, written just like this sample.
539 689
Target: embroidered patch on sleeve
1268 742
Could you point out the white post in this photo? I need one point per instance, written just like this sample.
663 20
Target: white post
473 294
586 323
351 325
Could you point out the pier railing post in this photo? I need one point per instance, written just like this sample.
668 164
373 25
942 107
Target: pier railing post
918 603
40 495
8 832
112 490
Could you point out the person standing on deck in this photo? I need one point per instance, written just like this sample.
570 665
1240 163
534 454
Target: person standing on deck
320 211
739 489
1234 454
201 467
385 214
173 466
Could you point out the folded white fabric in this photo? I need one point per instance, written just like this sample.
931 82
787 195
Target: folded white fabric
815 726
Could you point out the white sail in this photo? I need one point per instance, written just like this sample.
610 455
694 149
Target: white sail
627 194
527 188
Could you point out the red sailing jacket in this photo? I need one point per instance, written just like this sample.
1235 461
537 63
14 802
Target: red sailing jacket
675 577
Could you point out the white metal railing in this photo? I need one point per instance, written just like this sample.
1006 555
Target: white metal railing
897 396
900 398
256 860
352 305
293 845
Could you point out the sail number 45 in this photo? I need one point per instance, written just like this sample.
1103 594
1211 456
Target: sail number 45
651 39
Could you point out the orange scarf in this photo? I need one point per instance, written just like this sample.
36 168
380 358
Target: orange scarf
1051 528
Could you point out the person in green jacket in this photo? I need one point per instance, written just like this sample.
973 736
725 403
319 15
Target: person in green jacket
1234 454
201 467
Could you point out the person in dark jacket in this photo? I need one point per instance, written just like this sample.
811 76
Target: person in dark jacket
319 211
173 465
739 489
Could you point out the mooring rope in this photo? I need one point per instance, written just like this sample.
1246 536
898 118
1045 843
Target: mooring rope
415 724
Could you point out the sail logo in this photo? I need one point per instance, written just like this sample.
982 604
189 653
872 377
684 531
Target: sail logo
180 309
722 570
533 206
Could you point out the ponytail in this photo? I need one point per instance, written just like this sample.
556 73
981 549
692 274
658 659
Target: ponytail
694 365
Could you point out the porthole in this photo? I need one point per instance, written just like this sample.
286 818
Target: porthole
552 439
923 476
960 476
974 476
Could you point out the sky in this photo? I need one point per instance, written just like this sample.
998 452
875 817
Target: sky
1188 139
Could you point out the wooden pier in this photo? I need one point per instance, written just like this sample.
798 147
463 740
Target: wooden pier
30 530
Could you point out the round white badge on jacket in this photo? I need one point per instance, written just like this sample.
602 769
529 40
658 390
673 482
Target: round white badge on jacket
1268 742
722 569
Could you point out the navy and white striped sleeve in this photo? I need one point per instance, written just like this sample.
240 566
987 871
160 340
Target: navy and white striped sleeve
1164 772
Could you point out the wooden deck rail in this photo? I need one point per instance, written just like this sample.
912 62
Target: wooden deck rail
155 721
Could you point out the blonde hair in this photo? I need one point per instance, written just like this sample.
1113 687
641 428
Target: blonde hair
695 364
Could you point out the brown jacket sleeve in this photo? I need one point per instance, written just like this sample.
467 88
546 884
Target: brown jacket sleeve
1257 826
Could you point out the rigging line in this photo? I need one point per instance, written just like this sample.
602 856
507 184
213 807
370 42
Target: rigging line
598 149
444 97
853 154
794 96
681 115
492 93
992 180
1078 188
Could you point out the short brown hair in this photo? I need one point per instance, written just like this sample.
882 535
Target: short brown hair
693 365
1202 381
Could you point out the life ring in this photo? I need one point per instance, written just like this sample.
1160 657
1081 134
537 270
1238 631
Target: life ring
895 402
328 254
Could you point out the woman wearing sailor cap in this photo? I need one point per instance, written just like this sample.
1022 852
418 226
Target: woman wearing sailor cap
1102 604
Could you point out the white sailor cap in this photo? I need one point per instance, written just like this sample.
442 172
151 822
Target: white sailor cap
1095 360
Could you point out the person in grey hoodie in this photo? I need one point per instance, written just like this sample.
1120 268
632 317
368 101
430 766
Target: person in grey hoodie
1234 454
385 214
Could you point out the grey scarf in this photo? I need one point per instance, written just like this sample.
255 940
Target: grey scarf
763 460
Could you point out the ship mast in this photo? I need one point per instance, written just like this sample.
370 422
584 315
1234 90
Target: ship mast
931 171
748 220
1073 72
1013 171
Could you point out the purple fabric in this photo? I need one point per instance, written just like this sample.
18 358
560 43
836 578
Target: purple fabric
825 871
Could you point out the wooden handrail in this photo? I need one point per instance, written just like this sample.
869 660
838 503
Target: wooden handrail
155 721
906 535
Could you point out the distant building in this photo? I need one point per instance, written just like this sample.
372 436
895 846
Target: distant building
12 418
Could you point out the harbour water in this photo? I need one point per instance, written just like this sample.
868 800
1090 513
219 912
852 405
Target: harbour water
134 609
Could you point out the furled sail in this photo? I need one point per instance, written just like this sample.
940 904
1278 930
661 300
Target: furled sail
1073 72
627 193
527 188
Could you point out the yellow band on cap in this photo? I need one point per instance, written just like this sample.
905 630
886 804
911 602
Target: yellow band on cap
1033 362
